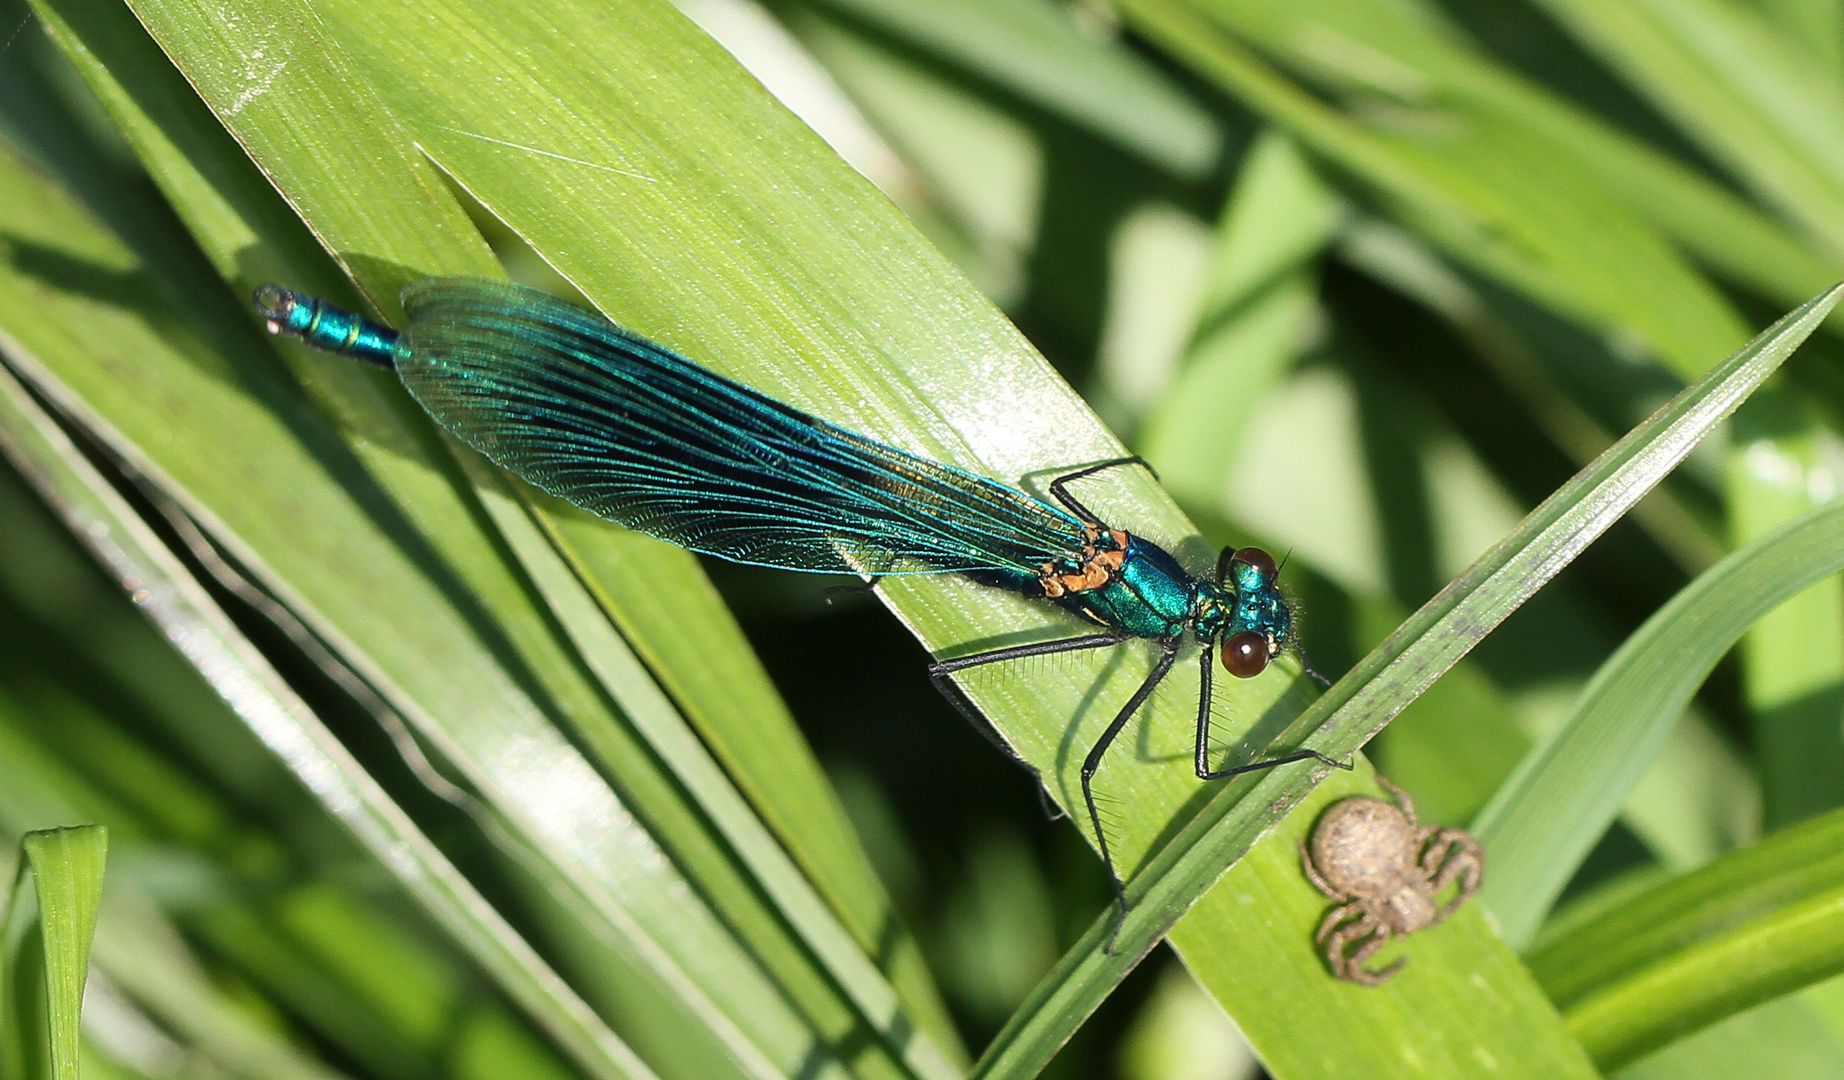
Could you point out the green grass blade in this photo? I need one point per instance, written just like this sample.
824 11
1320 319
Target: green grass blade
281 919
1755 924
45 936
145 957
1253 322
1380 686
669 614
1543 821
1034 49
1793 658
137 953
122 542
1734 238
1561 237
1391 254
647 707
1752 98
1411 54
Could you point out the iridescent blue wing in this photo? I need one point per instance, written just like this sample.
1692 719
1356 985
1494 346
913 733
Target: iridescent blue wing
638 434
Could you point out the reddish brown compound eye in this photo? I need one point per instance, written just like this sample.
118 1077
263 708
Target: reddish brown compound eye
1258 560
1245 655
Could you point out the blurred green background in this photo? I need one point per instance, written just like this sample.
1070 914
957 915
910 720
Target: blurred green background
1364 280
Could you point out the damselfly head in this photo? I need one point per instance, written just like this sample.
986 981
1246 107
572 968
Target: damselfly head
1260 619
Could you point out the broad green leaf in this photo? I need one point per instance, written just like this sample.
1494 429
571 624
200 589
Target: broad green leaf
685 227
45 935
1542 822
1379 687
1756 924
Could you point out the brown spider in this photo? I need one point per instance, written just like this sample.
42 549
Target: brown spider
1385 869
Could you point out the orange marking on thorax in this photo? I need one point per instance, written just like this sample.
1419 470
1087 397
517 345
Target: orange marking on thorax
1098 566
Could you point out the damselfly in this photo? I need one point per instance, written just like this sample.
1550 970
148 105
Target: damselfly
635 433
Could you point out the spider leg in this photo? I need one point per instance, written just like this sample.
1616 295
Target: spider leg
1402 800
1453 856
1368 947
1349 945
1312 875
1351 913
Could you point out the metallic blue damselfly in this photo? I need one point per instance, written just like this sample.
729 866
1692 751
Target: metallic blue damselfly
635 433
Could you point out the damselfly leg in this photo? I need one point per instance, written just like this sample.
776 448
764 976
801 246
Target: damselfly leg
1093 761
940 673
1059 488
1204 771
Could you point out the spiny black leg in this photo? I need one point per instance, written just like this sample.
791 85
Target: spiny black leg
940 670
1093 762
1269 763
1204 772
1203 711
1061 492
1019 652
